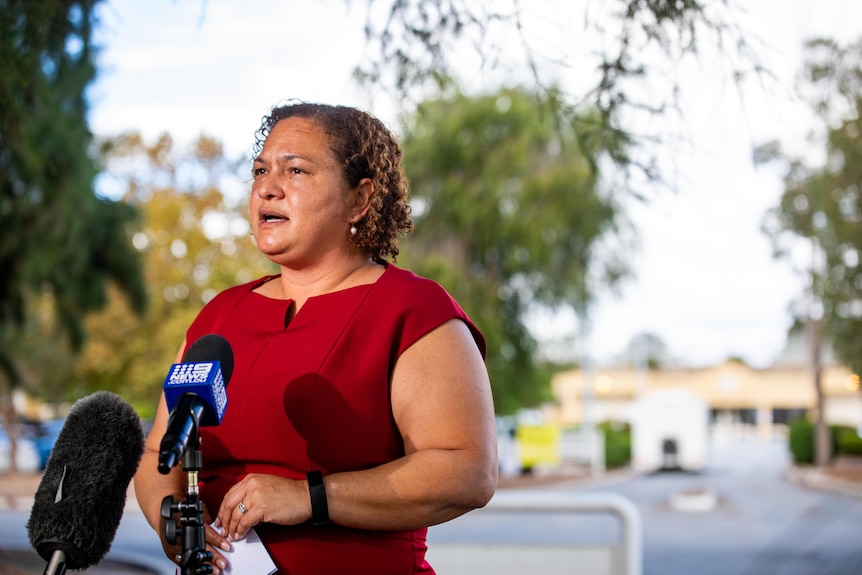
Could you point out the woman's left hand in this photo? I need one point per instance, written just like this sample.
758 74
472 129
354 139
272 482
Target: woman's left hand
261 498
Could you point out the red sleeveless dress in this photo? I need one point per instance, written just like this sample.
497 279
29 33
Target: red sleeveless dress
313 394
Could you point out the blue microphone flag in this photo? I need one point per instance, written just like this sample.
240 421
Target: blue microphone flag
203 378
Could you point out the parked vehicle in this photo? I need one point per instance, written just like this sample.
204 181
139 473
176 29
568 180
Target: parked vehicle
45 437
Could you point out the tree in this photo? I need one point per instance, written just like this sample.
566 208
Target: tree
65 243
605 73
616 57
61 245
194 239
509 214
822 205
646 351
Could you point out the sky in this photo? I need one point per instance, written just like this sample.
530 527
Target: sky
704 279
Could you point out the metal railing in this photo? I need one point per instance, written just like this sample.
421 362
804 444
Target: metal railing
624 556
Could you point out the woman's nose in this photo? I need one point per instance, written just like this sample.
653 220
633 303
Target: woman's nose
269 188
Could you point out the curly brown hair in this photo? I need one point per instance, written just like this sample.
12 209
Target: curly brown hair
366 149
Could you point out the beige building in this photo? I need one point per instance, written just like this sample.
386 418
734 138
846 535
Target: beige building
736 394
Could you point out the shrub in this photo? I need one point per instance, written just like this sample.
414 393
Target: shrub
847 440
618 445
801 441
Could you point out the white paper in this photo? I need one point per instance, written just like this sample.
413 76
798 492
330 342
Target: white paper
248 556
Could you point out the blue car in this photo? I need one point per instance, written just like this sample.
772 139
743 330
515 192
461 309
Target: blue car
45 437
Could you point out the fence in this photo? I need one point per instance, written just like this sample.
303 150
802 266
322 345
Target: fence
539 541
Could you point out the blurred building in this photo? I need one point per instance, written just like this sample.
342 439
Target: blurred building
738 396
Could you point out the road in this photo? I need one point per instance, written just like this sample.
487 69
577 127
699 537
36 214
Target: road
741 516
760 524
134 550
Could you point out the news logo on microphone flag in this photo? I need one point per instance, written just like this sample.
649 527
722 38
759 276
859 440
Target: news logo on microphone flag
203 378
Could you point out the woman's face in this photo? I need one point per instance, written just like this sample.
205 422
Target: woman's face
299 205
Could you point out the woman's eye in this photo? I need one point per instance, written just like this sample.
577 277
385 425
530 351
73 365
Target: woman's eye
258 171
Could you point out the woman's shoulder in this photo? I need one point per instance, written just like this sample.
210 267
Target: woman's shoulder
406 278
402 284
420 304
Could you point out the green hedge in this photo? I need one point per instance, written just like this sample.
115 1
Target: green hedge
801 441
618 444
845 441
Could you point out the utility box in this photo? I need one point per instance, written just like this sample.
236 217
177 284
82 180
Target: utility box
670 430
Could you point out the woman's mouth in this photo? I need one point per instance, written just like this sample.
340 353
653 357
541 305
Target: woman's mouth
271 217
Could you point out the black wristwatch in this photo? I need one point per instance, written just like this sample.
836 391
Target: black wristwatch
317 491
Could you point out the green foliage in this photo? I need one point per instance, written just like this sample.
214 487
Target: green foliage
61 245
847 441
801 441
823 205
423 44
618 444
508 215
194 239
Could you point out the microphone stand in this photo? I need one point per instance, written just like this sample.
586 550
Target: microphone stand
195 558
57 565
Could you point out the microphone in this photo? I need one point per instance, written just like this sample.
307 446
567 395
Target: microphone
195 395
82 494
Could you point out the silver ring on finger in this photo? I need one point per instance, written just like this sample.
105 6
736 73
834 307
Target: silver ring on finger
242 508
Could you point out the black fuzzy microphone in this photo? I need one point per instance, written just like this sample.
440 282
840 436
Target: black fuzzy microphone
81 497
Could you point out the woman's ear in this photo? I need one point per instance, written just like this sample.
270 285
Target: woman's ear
361 196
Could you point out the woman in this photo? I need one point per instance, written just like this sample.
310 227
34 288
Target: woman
351 374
